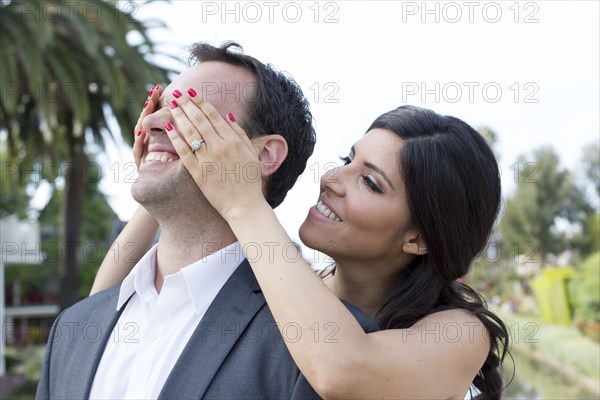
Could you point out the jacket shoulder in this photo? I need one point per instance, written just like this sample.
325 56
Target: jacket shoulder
99 299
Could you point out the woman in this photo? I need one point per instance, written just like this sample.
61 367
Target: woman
403 218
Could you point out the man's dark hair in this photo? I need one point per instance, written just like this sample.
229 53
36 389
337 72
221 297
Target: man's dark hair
277 106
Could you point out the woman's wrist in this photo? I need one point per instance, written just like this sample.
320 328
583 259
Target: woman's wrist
247 212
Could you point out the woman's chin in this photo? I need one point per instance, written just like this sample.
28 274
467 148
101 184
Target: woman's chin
309 235
302 234
312 237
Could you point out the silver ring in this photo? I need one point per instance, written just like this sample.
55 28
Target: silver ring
196 144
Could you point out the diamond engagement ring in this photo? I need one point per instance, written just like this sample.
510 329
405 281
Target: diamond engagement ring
196 144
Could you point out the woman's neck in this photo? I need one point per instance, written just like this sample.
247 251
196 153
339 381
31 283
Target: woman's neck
360 286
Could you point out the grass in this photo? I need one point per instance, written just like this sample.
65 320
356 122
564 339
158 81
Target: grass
564 345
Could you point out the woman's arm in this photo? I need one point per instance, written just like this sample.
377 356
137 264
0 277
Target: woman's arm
137 236
429 360
436 358
133 242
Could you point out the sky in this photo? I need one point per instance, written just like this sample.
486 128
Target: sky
529 70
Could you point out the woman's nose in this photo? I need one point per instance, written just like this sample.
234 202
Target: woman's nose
333 180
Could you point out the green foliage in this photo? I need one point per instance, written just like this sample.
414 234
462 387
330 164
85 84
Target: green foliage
94 242
25 361
31 276
584 290
545 194
67 69
96 228
492 279
550 291
63 62
98 223
591 164
592 231
14 196
588 240
516 225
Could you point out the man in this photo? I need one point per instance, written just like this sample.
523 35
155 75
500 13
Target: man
190 320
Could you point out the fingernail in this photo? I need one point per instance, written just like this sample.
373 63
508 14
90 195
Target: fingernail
146 103
157 86
231 117
176 93
173 104
150 92
139 132
169 127
192 92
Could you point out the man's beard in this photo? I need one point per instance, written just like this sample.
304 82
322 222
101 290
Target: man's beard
170 194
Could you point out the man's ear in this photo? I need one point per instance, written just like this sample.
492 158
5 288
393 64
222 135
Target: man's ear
272 151
414 243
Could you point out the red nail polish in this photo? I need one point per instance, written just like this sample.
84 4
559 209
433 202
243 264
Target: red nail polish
169 127
173 104
176 93
157 86
231 117
146 104
139 132
150 92
192 92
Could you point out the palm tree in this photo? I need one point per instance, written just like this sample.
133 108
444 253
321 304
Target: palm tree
66 69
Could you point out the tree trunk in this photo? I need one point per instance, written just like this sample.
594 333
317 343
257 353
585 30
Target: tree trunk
72 204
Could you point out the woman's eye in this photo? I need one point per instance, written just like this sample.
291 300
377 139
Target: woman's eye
371 184
346 160
366 178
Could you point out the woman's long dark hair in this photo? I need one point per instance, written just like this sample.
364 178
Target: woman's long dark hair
453 192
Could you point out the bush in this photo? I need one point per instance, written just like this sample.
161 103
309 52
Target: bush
25 362
550 290
584 290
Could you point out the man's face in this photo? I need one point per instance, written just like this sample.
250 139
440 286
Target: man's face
162 175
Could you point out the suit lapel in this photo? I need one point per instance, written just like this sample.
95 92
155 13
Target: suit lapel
216 334
103 318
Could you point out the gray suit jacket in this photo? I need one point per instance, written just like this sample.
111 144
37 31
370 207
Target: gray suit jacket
236 352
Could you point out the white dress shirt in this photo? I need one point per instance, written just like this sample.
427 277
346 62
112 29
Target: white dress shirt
154 328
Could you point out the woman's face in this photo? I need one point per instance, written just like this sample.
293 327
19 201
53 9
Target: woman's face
362 213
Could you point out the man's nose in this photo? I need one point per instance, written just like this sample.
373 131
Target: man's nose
154 124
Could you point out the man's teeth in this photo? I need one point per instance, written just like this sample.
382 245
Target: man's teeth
158 157
322 208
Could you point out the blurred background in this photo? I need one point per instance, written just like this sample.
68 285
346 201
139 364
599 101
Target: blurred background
74 76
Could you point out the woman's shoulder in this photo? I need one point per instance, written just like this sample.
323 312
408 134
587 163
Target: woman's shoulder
456 325
448 347
454 333
457 315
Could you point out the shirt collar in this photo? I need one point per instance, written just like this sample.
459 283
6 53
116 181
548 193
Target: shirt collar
204 278
132 282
